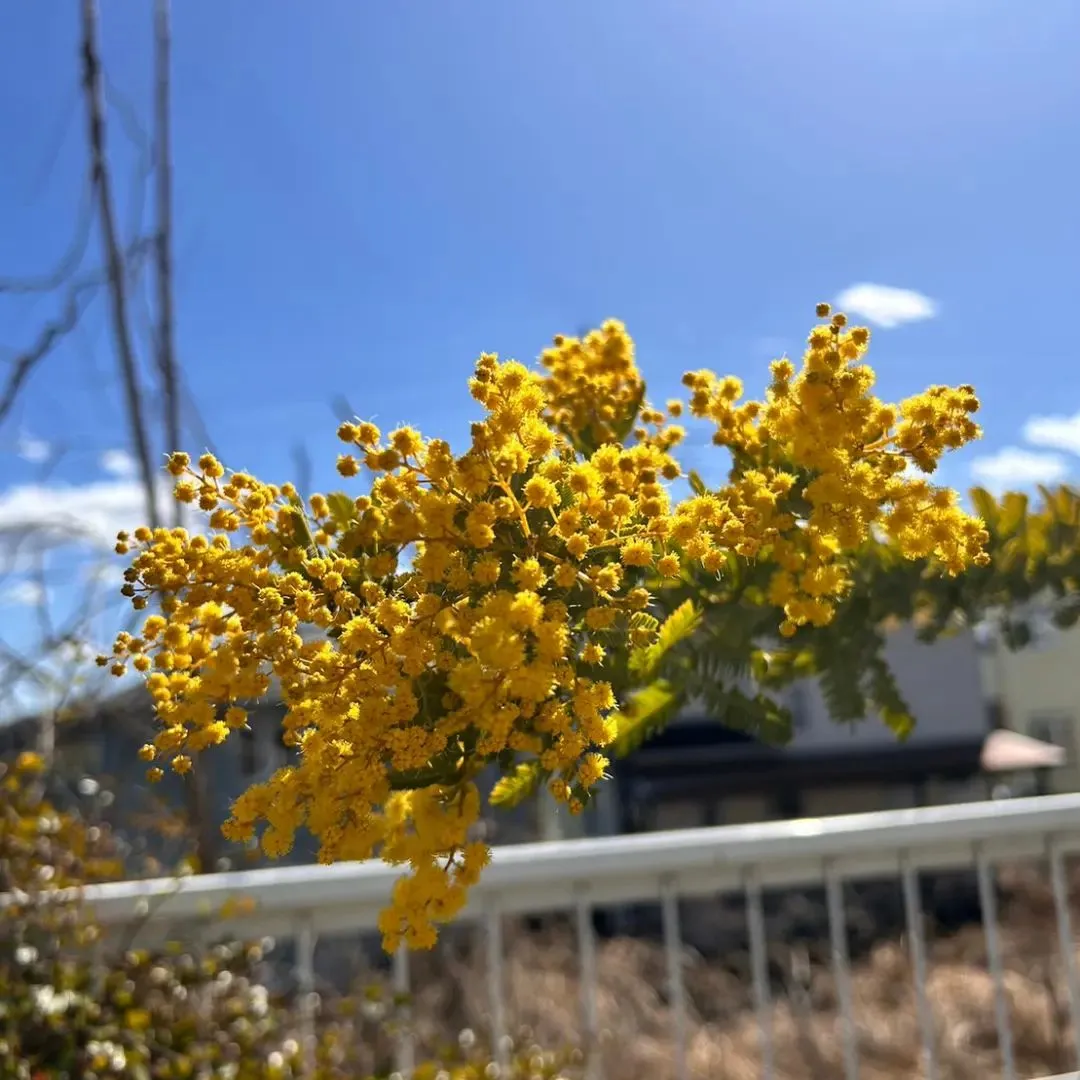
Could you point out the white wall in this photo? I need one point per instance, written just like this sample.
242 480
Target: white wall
940 682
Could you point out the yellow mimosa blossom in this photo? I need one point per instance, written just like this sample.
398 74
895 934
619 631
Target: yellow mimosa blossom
531 556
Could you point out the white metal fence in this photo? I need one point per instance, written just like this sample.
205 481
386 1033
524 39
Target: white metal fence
577 876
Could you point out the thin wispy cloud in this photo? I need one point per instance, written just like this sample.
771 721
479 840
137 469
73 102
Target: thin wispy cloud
22 594
1054 432
1015 467
885 306
33 450
118 463
57 514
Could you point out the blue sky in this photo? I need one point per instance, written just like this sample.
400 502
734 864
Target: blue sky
367 195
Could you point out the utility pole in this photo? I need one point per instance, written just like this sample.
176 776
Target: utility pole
166 348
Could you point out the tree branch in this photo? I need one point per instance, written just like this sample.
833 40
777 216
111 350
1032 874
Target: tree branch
53 332
163 167
95 117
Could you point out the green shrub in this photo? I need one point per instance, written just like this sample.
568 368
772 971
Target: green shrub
75 1007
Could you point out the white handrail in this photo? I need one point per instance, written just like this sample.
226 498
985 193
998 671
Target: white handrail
622 869
301 902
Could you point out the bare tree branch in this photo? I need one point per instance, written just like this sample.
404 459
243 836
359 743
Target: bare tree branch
41 588
43 678
163 165
95 115
79 296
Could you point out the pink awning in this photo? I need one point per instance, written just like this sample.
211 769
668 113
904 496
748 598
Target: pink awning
1009 751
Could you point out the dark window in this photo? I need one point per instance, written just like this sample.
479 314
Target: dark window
248 761
995 712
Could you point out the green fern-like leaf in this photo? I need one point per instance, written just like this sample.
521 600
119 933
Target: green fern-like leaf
626 425
342 508
886 695
676 628
759 715
648 712
1014 512
985 506
841 689
641 620
513 789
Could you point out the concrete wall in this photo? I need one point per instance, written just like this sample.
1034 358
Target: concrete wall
1039 692
941 683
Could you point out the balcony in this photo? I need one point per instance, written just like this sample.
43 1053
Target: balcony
574 880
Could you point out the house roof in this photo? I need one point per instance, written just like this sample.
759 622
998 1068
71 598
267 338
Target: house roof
129 709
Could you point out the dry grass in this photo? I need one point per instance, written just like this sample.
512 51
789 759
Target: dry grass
542 995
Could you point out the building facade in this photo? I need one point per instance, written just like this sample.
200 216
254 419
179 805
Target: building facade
699 773
1036 691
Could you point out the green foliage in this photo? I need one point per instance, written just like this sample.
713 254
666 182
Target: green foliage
173 1013
1035 562
730 662
589 440
645 663
757 714
342 508
140 1016
514 788
647 712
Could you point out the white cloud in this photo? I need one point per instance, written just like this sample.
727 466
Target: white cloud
51 515
22 594
884 305
105 575
33 450
1056 432
118 463
1014 467
76 652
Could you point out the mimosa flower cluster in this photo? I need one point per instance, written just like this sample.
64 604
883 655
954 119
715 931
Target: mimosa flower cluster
464 609
840 463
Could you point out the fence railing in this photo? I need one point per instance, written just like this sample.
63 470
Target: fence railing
580 875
